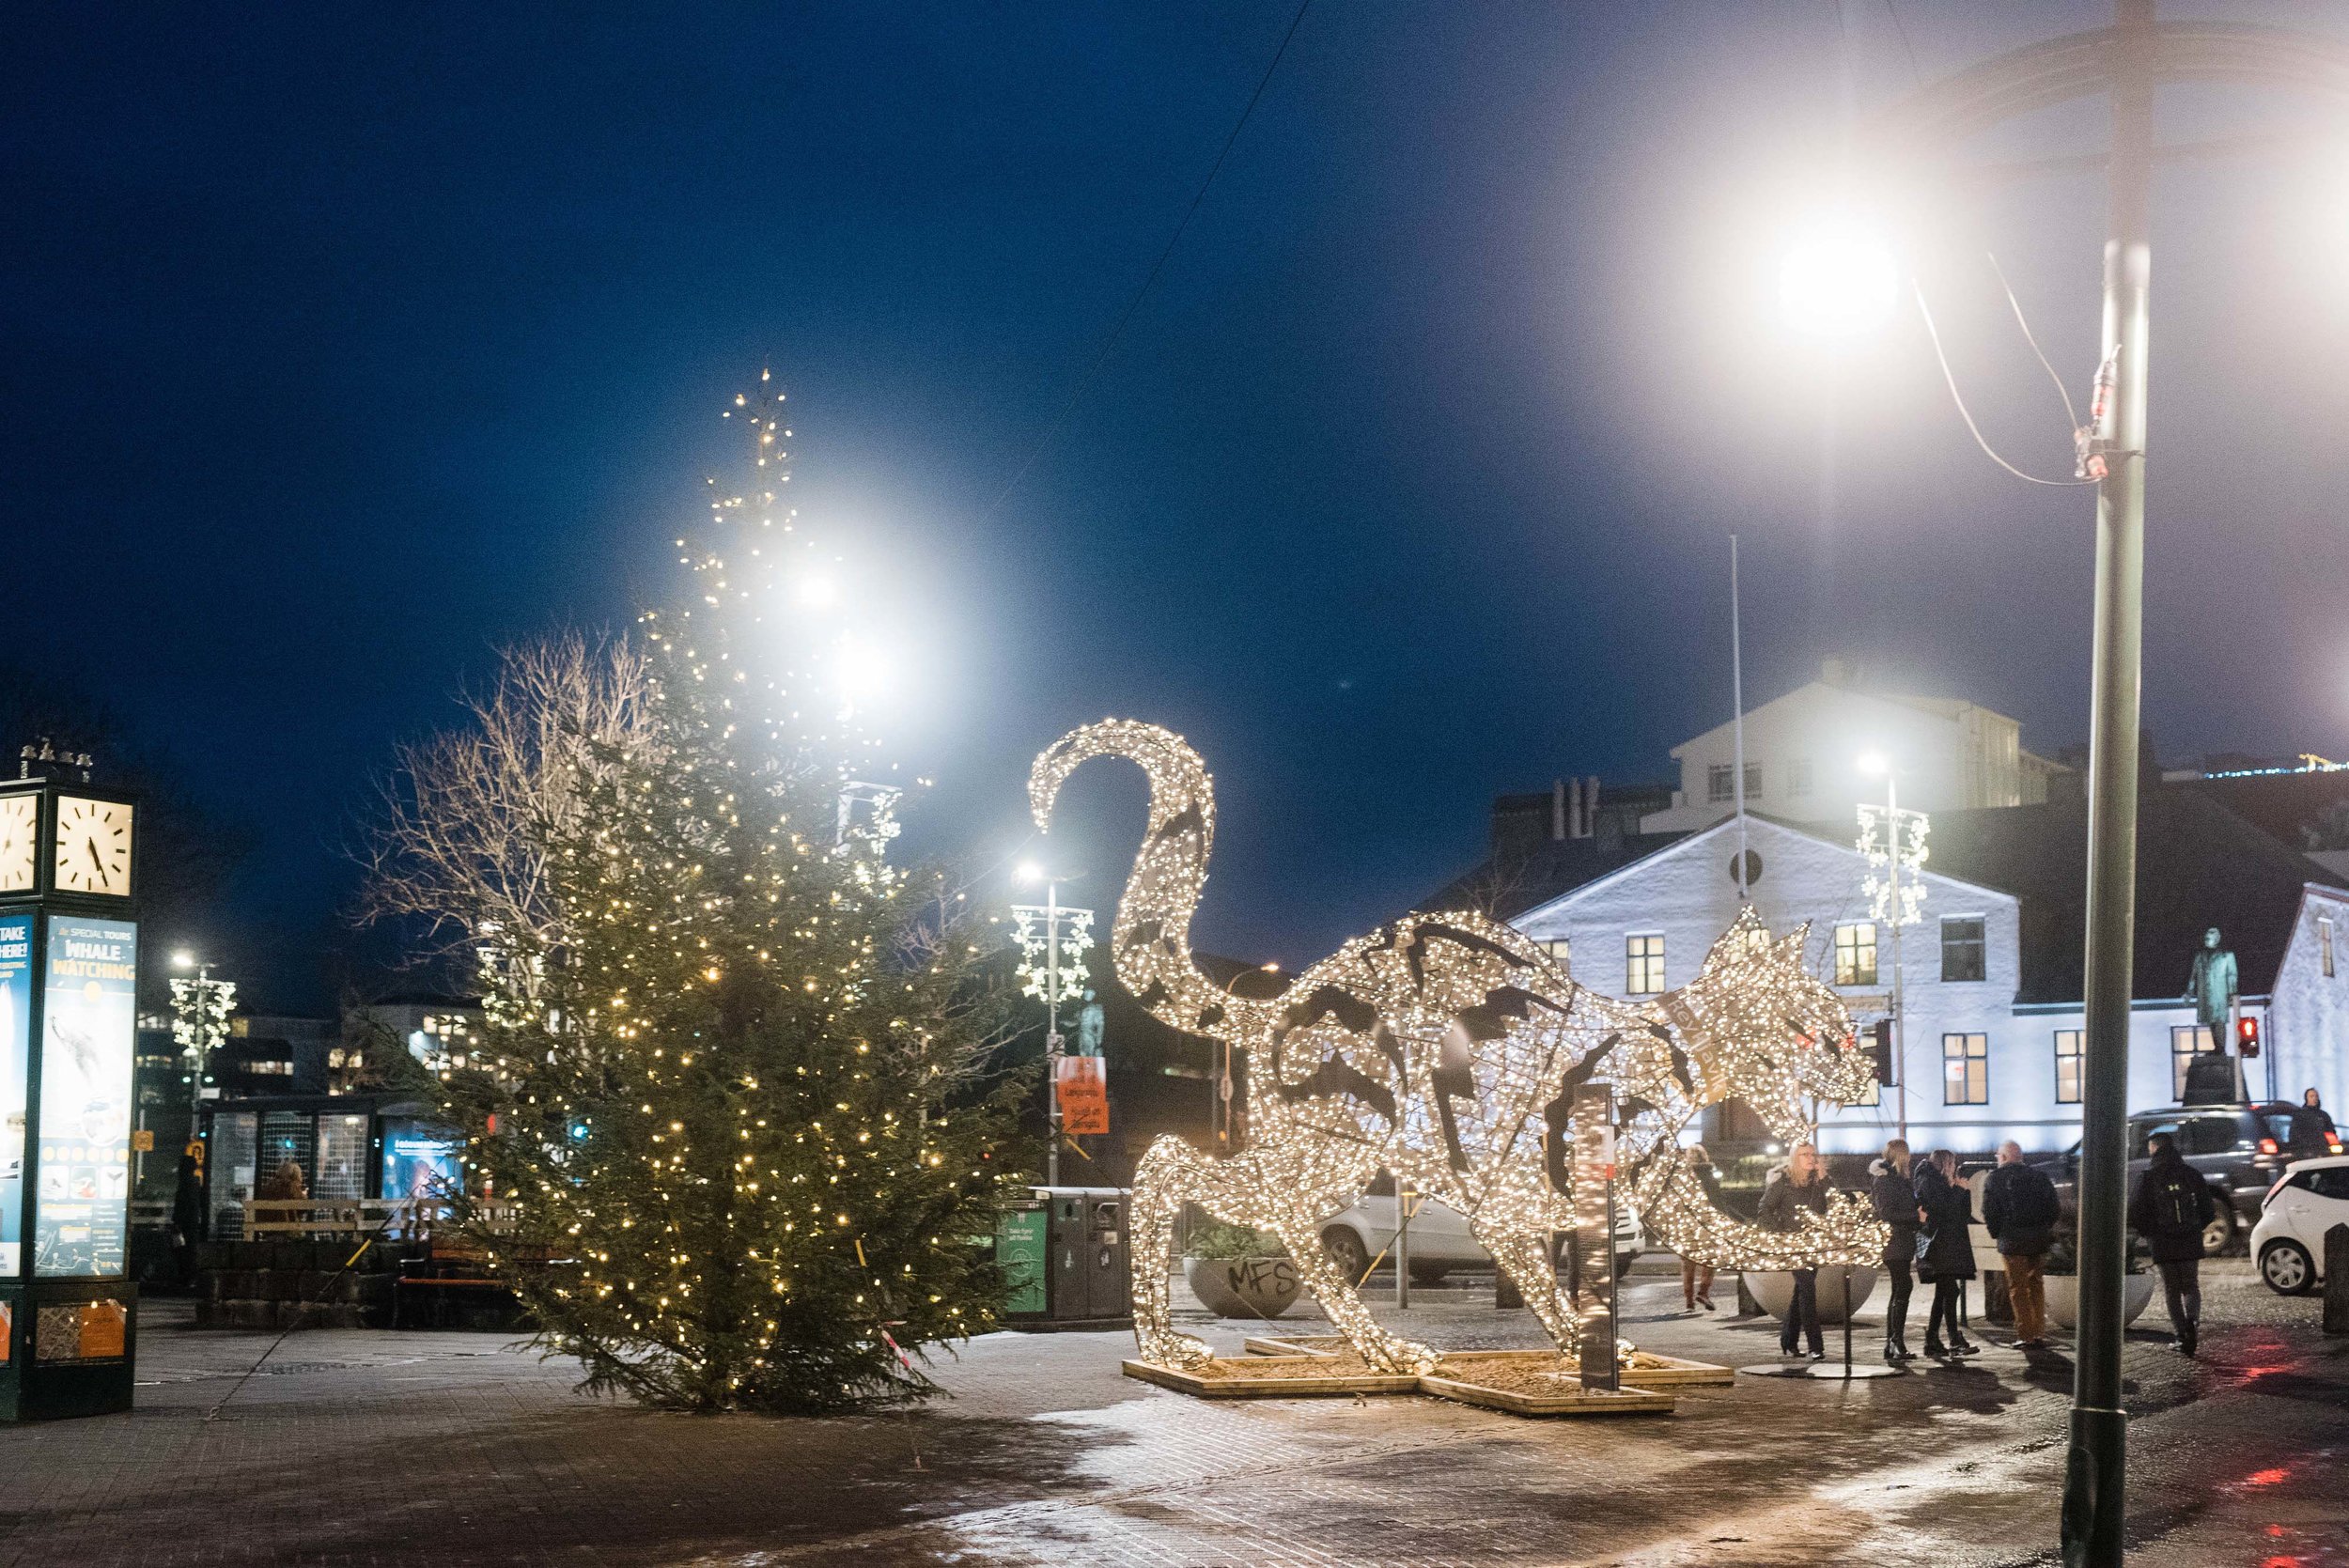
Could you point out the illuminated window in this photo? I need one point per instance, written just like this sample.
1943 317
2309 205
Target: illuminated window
2186 1042
1855 953
2068 1056
1562 950
1643 965
1962 948
1965 1069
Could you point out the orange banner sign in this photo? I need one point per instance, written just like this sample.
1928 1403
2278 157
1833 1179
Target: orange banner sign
1084 1095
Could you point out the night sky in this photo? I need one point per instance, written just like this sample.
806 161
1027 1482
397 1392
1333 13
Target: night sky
341 346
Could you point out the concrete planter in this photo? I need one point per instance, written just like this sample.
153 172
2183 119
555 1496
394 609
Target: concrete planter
1242 1287
2063 1298
1776 1291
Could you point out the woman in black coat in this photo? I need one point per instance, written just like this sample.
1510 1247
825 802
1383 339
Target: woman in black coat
1945 1253
1892 1194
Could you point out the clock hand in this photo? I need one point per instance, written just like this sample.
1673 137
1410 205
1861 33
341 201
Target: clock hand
91 844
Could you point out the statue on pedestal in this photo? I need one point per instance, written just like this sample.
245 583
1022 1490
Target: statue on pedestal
2211 990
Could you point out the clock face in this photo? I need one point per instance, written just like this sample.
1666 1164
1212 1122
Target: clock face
93 846
19 842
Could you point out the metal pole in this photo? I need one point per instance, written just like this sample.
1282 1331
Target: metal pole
1899 1019
1052 1032
1737 701
2095 1474
1402 1245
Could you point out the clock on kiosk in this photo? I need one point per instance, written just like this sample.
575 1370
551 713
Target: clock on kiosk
68 1012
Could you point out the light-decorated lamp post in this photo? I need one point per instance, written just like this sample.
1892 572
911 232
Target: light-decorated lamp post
1054 938
1914 143
68 996
199 1022
1893 841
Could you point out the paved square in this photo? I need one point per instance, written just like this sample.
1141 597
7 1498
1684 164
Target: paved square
366 1447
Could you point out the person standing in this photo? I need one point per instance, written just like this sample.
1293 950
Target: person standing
1945 1253
2020 1209
2313 1131
2170 1210
1696 1278
1801 1184
1892 1193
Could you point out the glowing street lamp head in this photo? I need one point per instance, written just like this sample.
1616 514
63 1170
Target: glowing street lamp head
1837 279
184 959
1874 764
817 593
1029 871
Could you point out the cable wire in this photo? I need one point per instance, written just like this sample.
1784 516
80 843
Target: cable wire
1085 382
1947 374
2070 413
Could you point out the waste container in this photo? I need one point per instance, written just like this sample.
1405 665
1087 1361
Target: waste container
1088 1280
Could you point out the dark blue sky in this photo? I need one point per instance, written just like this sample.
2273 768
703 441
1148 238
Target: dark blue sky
339 347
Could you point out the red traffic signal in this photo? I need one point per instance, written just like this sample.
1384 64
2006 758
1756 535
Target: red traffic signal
2246 1038
1880 1048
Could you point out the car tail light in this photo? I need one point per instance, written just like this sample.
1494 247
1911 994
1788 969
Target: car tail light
2333 1139
2267 1145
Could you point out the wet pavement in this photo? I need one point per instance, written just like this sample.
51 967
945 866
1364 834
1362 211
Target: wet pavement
367 1447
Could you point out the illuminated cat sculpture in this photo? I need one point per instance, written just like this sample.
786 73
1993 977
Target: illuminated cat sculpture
1440 1048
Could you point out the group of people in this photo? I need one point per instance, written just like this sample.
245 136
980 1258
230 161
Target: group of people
1927 1209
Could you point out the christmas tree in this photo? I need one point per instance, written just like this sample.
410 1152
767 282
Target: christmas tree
733 1129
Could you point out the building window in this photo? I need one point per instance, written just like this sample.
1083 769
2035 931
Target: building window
2324 944
1720 782
2186 1042
1798 776
1965 1069
1855 953
1562 950
1643 965
2068 1060
1962 949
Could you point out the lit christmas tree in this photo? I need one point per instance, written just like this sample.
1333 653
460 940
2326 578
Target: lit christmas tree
733 1127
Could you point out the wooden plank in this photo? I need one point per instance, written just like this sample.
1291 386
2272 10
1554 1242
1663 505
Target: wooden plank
1265 1344
1270 1386
1622 1401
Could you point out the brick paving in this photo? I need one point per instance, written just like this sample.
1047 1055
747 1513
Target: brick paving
356 1446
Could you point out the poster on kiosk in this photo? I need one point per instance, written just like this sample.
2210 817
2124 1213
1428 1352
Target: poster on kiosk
16 1032
89 1019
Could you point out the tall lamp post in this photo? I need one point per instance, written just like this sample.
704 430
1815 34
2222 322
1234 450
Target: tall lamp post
1904 847
2125 61
1058 978
199 1021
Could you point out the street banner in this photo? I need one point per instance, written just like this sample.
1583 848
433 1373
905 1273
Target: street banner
1084 1096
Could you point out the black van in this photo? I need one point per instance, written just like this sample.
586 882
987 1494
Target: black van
2240 1149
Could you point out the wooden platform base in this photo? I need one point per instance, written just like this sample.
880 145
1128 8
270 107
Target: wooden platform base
1271 1378
1570 1401
1647 1368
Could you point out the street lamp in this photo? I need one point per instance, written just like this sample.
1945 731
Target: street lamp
1837 279
199 1020
1220 1073
1903 846
1062 927
2124 61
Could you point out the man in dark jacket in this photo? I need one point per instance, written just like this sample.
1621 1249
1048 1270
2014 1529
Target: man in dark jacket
1802 1184
2020 1209
2170 1210
2311 1129
1892 1193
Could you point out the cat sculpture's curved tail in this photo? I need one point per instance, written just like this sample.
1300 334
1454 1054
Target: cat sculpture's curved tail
1150 943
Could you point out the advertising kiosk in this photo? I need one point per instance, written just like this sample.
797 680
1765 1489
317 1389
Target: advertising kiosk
69 984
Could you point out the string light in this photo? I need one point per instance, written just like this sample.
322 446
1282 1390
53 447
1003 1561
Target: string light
1441 1048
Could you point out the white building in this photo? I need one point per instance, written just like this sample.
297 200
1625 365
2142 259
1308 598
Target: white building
1990 1045
1802 758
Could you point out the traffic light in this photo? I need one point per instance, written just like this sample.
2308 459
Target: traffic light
1880 1047
2246 1038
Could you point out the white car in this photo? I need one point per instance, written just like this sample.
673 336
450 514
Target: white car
1439 1242
2287 1243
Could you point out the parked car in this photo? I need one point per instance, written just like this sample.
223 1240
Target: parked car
2240 1150
1439 1241
2287 1243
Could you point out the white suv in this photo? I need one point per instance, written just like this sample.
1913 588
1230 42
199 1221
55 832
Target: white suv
2287 1243
1439 1241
